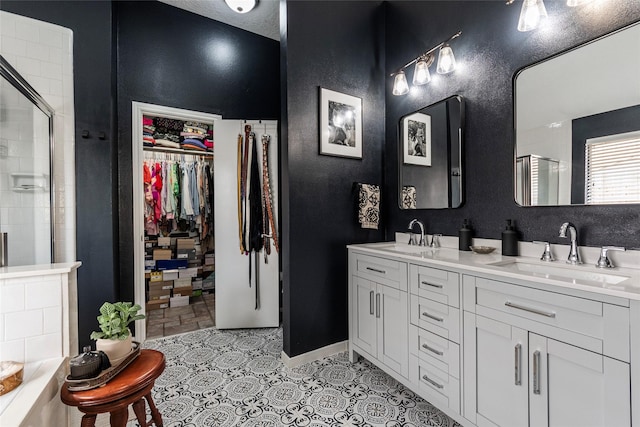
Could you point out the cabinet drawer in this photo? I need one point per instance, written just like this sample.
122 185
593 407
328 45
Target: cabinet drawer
593 325
389 272
438 285
435 317
438 351
434 385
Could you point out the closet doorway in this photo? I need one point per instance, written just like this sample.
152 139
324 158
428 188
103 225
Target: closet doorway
189 270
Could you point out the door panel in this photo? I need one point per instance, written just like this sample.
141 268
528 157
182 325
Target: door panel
364 323
393 330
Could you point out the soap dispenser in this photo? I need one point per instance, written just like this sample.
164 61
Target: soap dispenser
510 240
465 235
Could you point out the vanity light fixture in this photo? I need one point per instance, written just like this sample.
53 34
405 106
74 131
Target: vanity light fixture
574 3
421 74
532 14
241 6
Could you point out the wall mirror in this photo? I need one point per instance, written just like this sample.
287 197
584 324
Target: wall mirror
430 156
577 125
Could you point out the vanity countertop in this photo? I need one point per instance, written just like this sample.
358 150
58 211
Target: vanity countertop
618 282
38 270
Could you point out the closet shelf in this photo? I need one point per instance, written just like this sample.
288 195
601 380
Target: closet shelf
179 151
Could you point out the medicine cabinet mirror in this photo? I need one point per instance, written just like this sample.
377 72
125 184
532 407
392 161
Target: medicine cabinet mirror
577 125
430 156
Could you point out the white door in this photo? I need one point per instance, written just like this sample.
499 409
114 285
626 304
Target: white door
363 315
571 386
392 319
236 299
501 375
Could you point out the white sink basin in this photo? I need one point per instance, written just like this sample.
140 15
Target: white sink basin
422 251
404 248
573 274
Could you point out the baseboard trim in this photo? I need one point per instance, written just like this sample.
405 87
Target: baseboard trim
301 359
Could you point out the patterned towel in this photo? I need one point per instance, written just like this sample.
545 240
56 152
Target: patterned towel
369 206
408 197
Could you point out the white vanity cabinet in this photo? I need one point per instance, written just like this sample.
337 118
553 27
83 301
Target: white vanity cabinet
378 315
534 357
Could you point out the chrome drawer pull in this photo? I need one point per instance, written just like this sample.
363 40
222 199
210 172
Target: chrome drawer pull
432 350
517 364
529 309
370 302
432 382
378 305
536 372
435 285
431 316
376 270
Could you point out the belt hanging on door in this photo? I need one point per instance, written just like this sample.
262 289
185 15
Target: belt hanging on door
268 200
240 195
245 167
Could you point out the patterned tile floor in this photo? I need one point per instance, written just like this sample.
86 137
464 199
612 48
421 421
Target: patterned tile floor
235 378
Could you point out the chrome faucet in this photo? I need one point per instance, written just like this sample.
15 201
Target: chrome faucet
412 239
574 255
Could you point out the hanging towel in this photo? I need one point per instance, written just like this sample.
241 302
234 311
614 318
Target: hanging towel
408 197
369 206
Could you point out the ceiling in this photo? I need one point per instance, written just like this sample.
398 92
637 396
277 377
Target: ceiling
264 19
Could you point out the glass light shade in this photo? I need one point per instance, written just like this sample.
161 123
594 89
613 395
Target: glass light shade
446 60
532 14
421 73
574 3
400 85
241 6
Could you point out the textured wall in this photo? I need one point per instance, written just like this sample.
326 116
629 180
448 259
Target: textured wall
195 64
491 50
337 46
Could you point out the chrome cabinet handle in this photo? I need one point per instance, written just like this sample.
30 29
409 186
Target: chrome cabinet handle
376 270
432 350
529 309
378 306
371 302
432 382
536 372
518 368
435 285
431 316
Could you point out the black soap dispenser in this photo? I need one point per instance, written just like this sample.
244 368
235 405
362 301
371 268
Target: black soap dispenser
510 240
465 235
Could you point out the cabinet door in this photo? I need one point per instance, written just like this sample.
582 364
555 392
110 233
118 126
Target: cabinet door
571 386
363 315
393 329
501 381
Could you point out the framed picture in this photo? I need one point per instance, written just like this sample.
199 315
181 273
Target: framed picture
416 135
340 124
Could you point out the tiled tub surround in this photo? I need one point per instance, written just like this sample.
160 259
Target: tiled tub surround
43 55
38 326
580 324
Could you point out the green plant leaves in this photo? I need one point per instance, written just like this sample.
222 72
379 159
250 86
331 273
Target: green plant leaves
114 320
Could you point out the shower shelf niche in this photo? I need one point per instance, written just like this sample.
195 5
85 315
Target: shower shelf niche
29 182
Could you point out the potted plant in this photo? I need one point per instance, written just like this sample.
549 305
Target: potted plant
114 337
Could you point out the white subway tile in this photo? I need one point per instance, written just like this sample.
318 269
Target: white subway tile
1 330
51 70
52 320
55 87
23 324
28 33
37 51
39 83
50 37
28 66
45 294
43 347
7 25
13 46
12 297
12 350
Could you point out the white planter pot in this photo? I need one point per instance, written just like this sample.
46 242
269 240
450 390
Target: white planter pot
116 350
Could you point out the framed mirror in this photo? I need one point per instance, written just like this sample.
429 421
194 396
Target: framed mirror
577 125
430 156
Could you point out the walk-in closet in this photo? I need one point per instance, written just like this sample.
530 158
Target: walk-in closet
205 210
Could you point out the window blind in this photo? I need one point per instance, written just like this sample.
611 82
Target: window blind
612 169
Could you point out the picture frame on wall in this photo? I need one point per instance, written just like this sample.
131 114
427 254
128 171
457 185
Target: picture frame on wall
417 139
340 124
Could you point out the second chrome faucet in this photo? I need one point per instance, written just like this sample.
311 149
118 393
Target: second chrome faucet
574 255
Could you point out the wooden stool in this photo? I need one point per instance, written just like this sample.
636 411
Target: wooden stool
129 387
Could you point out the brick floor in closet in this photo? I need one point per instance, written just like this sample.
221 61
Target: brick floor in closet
200 313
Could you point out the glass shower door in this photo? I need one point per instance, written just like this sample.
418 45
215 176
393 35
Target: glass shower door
26 142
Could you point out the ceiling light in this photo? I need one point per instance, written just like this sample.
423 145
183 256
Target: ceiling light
241 6
421 74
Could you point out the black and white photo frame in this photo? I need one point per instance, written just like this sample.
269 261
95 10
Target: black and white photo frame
416 144
340 124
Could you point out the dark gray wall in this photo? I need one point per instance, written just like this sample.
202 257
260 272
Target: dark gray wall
171 57
338 46
491 51
96 166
